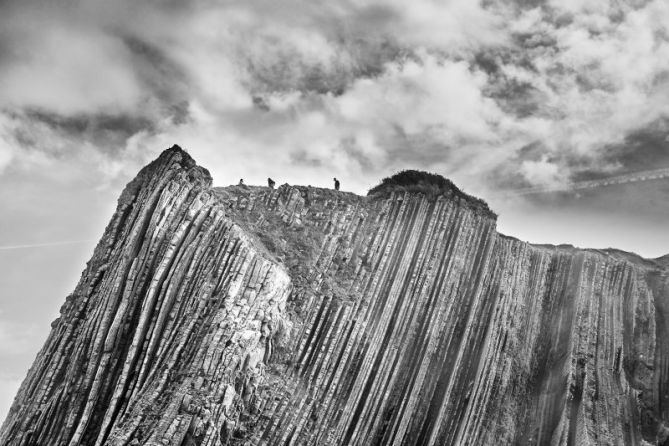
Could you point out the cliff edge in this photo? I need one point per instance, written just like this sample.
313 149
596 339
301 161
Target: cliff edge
304 316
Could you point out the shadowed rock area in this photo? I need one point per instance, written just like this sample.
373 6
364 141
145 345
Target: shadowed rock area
302 316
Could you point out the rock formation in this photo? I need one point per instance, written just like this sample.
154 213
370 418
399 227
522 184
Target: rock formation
304 316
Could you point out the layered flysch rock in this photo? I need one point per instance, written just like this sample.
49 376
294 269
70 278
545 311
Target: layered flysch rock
304 316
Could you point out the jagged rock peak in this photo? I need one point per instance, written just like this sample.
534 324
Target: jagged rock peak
175 155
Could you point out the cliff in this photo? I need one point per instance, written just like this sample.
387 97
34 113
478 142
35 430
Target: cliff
304 316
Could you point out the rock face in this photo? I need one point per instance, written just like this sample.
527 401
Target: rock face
304 316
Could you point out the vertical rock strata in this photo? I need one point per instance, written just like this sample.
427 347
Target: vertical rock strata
244 315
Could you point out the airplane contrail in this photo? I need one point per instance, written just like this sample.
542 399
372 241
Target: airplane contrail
42 245
634 177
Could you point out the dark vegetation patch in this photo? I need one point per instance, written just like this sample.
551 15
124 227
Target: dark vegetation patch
430 184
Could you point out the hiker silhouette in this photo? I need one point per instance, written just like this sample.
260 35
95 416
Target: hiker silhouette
336 181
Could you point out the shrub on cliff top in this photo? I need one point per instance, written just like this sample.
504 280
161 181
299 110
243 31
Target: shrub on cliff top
430 184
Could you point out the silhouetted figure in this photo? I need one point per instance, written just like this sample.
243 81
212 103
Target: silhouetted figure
336 183
241 182
270 183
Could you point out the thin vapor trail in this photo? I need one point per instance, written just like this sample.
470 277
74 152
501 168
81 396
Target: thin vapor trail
646 175
43 245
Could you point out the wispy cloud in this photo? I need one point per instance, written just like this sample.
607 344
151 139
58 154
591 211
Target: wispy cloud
43 245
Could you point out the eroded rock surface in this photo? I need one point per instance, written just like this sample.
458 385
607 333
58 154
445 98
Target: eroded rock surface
246 315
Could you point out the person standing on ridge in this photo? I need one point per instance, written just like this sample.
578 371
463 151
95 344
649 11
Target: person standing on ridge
336 181
241 182
270 183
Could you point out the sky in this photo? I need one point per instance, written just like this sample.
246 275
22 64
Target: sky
497 95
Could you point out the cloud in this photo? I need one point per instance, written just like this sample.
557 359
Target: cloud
358 88
6 149
542 172
42 245
596 73
65 67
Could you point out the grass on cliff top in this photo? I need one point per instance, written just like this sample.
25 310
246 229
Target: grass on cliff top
430 184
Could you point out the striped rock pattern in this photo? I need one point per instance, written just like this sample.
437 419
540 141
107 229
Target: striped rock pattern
304 316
